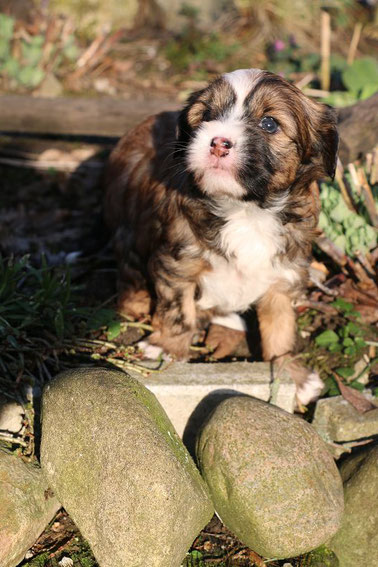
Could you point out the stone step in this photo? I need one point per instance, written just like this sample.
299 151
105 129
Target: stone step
189 392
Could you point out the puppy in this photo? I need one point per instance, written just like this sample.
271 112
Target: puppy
214 209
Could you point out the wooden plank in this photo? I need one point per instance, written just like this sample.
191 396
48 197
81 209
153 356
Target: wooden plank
76 116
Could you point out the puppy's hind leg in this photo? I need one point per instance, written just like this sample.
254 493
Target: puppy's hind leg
134 299
225 334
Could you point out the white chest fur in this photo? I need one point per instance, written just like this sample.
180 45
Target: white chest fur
250 240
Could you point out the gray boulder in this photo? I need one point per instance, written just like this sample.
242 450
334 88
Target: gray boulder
271 477
337 420
26 507
356 543
120 469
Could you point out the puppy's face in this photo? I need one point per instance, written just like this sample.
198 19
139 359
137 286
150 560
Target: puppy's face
251 135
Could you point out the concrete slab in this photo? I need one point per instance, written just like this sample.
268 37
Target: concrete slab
190 391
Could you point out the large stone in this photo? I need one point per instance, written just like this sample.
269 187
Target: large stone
272 479
336 419
189 392
26 507
358 128
356 543
120 469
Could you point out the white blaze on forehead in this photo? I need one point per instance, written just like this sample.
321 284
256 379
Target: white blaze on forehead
228 125
242 82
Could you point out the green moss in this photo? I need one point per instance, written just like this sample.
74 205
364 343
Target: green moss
320 557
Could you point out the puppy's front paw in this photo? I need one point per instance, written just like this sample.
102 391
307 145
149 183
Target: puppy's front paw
176 346
152 352
223 340
308 382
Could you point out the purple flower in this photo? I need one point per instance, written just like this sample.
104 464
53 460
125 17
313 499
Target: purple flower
279 45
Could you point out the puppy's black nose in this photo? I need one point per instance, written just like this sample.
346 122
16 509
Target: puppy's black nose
220 146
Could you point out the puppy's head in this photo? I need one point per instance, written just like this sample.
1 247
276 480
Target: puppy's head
251 135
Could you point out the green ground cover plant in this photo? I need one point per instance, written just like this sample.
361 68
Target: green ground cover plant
24 62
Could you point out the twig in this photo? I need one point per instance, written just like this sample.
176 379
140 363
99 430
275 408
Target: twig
84 59
348 445
354 42
348 198
374 167
305 80
354 176
143 326
369 199
68 166
325 50
318 306
360 273
366 264
327 246
9 438
323 287
318 93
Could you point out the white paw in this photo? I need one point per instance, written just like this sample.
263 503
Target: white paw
152 352
232 321
310 389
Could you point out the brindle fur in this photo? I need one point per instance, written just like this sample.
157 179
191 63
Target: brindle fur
163 222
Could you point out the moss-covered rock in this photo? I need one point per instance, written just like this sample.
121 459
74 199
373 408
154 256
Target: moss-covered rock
320 557
356 543
120 469
271 477
26 507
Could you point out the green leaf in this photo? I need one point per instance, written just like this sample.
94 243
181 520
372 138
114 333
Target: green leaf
327 338
359 342
362 72
341 305
336 347
350 350
6 27
101 318
114 330
194 559
357 385
368 90
32 50
345 372
331 386
340 98
353 329
30 76
59 323
70 49
11 67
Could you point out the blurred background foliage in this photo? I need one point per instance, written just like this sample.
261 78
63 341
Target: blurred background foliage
98 46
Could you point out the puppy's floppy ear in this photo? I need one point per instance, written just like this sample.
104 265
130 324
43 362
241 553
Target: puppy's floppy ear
328 139
189 117
324 138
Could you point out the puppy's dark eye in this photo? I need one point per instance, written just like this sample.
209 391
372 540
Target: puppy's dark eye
269 124
206 117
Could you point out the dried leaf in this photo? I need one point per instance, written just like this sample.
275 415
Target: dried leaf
354 397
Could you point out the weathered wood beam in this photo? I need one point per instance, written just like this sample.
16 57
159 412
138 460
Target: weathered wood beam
76 116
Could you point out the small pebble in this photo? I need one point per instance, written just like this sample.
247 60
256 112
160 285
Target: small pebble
65 562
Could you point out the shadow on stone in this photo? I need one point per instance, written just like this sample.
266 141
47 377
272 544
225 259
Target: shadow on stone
202 413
